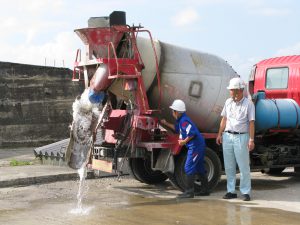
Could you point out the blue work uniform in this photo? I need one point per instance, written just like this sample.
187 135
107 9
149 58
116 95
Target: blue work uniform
196 146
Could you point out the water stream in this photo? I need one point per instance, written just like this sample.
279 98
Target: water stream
82 191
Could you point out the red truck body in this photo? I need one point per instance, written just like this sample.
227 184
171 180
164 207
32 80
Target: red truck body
279 77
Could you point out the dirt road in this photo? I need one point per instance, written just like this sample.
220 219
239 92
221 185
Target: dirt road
276 200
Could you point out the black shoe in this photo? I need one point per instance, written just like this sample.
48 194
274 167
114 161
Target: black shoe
246 197
187 194
229 195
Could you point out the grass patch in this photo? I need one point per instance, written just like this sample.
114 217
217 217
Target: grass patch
19 163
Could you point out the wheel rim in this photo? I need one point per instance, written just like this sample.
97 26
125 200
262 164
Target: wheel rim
209 167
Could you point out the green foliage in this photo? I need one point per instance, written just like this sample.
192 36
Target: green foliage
15 162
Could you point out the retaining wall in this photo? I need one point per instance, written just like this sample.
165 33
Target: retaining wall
35 104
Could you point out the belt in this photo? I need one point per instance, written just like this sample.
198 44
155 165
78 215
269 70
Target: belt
234 132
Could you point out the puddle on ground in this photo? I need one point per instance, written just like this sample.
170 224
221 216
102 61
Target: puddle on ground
113 208
196 211
109 202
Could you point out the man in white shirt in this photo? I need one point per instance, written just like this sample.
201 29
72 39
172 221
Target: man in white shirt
236 133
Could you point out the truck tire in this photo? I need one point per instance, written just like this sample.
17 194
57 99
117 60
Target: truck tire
212 165
141 170
131 172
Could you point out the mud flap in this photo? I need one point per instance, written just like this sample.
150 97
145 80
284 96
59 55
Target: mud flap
164 161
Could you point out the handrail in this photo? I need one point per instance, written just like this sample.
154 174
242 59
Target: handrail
78 53
156 64
108 57
75 70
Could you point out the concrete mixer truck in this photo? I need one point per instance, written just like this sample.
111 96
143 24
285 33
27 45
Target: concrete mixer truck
132 79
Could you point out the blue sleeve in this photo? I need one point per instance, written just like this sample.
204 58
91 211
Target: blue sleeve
176 127
188 129
191 130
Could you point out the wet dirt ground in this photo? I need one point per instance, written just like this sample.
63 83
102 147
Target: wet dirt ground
276 200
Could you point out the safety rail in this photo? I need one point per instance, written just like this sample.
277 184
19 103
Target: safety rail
116 59
77 70
156 63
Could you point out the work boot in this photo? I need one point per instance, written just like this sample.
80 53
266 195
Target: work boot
204 189
189 192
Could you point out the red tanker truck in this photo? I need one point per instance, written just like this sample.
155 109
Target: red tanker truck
131 79
274 85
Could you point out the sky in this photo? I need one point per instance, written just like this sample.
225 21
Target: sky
242 32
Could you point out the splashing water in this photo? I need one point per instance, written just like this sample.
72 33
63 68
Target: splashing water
80 194
82 190
85 119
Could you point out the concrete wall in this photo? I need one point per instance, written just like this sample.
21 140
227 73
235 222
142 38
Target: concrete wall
35 104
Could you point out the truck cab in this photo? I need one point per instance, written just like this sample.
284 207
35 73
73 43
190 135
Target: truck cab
278 77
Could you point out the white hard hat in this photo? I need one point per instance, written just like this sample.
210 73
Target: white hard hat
178 105
236 83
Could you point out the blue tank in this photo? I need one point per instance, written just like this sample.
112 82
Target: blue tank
276 113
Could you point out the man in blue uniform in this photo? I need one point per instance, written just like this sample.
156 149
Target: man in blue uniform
190 136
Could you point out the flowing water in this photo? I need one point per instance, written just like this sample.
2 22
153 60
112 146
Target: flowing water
82 191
